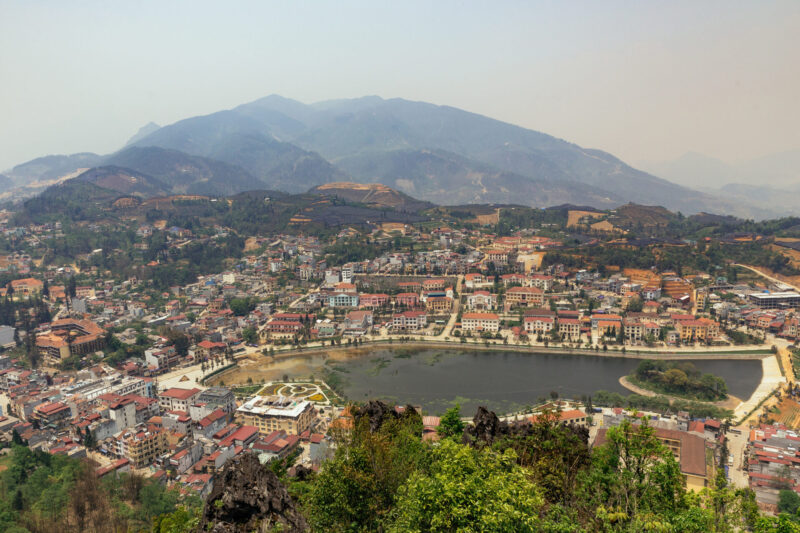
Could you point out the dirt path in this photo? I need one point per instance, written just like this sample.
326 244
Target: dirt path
730 403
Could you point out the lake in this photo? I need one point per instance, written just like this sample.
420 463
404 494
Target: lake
437 379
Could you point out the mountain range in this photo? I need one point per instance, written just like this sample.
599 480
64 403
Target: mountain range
770 183
436 153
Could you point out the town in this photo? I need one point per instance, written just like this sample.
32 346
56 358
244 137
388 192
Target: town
137 377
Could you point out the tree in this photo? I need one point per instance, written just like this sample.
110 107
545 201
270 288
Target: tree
71 287
250 335
450 425
464 489
788 502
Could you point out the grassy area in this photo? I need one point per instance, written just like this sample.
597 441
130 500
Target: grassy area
654 387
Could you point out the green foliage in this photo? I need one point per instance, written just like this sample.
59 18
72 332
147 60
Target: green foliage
250 335
44 492
450 425
242 306
680 378
464 489
659 404
788 502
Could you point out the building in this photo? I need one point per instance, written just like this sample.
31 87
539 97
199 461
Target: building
23 288
142 445
273 413
538 325
569 328
409 320
373 301
162 358
525 297
210 400
482 301
407 299
343 299
700 329
53 414
177 399
480 322
68 337
281 329
775 300
689 450
438 304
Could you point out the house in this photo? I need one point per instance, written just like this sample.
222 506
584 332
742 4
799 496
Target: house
538 325
482 300
689 450
569 328
407 299
357 322
438 304
23 288
177 399
373 301
343 299
409 320
524 297
480 322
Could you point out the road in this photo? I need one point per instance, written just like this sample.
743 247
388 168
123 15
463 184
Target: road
765 276
736 446
454 314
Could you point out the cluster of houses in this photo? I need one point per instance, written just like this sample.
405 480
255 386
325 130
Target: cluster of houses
180 435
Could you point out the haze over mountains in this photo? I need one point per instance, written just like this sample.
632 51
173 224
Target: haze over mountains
770 182
434 153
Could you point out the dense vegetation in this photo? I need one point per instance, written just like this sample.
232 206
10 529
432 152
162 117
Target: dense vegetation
680 378
660 404
536 478
384 477
43 493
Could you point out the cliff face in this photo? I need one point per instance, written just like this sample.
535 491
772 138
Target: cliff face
247 497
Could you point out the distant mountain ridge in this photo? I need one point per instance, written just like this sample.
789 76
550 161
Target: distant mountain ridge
436 153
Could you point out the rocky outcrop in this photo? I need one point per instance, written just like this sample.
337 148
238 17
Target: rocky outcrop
378 413
486 428
247 497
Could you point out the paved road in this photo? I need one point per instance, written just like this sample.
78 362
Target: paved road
454 314
736 446
765 276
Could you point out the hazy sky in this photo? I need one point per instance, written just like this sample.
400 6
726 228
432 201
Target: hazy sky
645 80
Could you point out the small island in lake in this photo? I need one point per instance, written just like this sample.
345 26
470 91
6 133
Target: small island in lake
679 378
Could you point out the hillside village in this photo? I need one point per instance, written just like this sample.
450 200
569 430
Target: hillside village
133 376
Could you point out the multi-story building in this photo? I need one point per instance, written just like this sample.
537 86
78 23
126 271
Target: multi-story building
524 296
482 300
438 304
343 299
775 300
53 414
372 301
142 445
273 413
538 325
569 328
68 337
689 451
407 299
210 400
480 322
177 399
409 320
700 329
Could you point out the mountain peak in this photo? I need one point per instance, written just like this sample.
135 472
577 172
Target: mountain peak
143 132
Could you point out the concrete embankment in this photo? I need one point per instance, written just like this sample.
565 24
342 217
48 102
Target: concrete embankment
771 379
